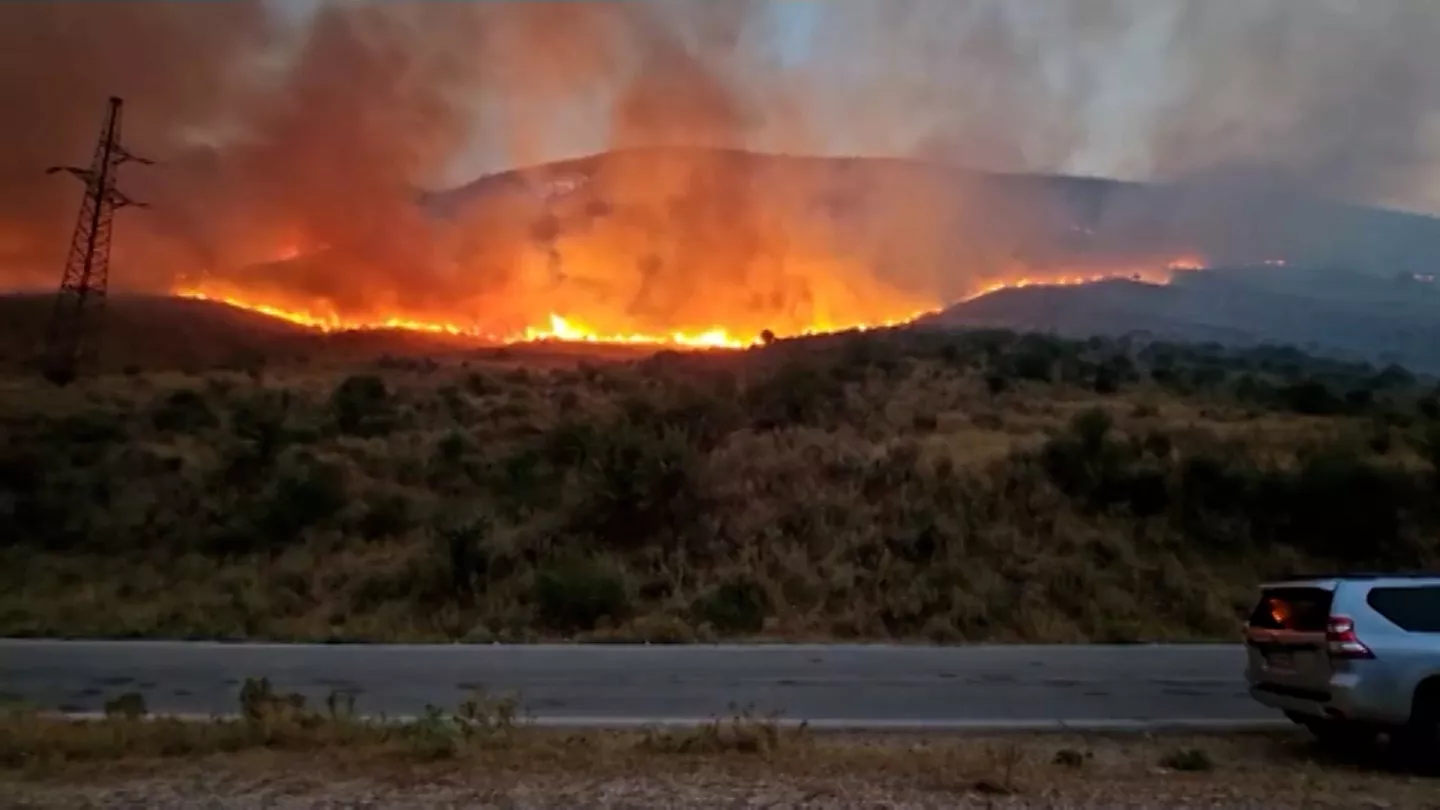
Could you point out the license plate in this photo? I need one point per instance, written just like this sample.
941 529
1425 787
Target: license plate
1283 659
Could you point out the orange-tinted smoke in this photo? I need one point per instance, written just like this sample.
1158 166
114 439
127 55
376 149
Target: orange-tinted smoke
319 147
59 62
686 241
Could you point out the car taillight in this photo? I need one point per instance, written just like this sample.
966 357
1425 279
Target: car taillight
1341 639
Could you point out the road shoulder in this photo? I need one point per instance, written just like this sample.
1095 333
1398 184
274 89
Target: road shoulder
744 764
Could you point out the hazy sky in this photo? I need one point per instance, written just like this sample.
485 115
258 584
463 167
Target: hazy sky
787 32
1085 86
325 124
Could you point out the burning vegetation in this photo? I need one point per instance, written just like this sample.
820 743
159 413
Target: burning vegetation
725 334
681 249
696 248
293 156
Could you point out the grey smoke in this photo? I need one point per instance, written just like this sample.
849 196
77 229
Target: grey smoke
1329 96
1339 96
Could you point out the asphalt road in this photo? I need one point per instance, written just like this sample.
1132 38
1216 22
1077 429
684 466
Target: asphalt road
874 687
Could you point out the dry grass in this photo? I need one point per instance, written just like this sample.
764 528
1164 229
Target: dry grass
897 485
43 756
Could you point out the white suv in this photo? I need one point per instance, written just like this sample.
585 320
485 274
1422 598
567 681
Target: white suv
1351 657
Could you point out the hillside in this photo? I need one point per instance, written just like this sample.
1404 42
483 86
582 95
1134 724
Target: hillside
907 484
159 333
1348 287
1043 220
642 233
154 332
1342 314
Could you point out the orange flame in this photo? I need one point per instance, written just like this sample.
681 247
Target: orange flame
592 302
555 328
320 315
1144 275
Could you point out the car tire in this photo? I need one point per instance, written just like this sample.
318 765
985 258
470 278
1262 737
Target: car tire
1419 740
1340 737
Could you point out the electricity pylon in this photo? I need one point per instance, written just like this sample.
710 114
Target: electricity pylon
70 341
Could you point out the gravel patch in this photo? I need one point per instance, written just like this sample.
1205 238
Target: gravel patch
207 790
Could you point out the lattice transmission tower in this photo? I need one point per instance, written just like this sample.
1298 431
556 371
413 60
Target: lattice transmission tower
70 340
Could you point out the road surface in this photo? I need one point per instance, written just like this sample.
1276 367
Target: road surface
869 687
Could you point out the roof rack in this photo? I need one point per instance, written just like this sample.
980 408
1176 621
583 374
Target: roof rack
1352 575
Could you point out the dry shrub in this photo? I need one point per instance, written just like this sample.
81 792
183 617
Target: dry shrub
974 486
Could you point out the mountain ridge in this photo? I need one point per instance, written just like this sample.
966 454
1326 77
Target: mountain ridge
1040 219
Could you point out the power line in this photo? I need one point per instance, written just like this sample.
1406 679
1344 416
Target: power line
70 341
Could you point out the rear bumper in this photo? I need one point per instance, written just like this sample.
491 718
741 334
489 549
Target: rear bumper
1345 699
1319 706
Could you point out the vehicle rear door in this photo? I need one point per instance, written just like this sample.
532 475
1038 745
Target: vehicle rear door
1286 643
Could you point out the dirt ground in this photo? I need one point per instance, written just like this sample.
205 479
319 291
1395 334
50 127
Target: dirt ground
1270 771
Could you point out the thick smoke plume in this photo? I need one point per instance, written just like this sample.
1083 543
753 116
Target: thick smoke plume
318 140
1339 96
58 64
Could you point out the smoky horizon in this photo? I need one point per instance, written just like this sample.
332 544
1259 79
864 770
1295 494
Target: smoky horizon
297 144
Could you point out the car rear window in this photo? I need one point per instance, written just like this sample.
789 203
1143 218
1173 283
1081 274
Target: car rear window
1305 610
1415 610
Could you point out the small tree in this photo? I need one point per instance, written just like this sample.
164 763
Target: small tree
360 405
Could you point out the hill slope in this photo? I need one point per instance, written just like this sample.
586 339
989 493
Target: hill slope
1348 315
155 332
946 232
1039 220
163 333
906 484
939 229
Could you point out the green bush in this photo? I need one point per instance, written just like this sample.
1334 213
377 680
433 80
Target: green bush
1345 508
1107 381
361 405
261 421
798 394
576 596
89 431
1392 378
740 606
304 494
640 488
184 411
1310 398
1035 359
1085 463
1335 506
841 477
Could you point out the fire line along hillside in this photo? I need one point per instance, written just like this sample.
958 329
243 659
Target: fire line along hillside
911 483
1229 218
1281 265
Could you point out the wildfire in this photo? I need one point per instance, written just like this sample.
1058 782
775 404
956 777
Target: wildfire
556 327
576 328
600 294
1141 274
